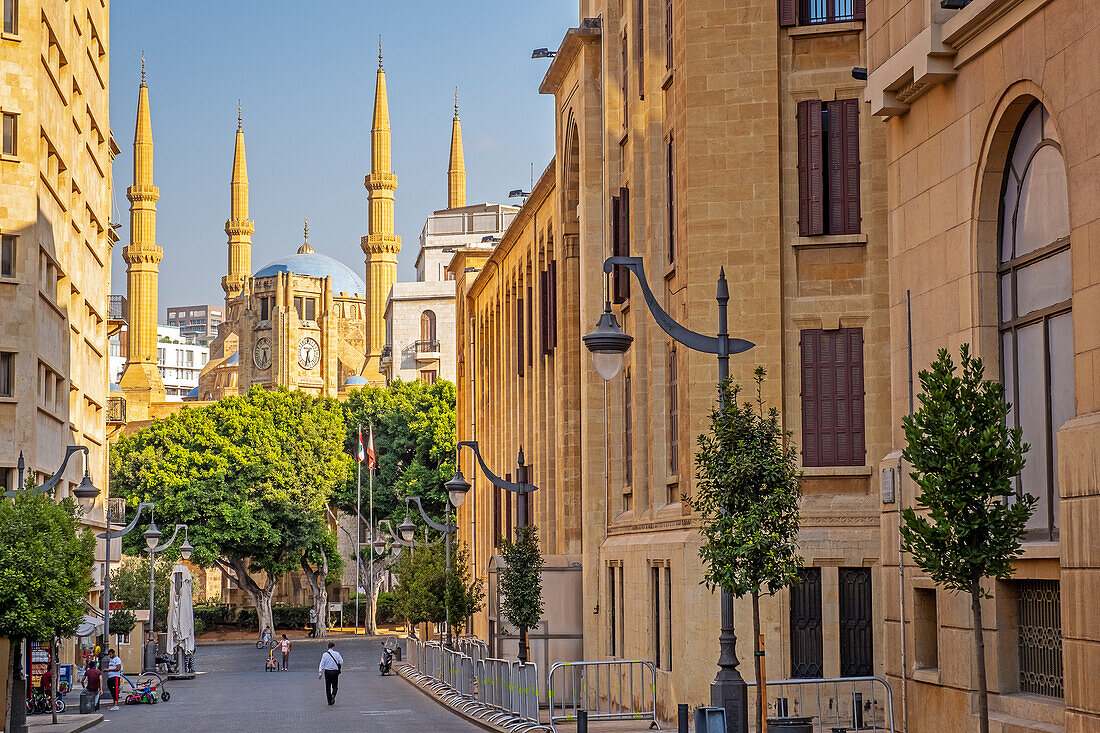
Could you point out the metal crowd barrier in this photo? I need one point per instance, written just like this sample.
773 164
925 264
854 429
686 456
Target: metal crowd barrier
607 690
858 703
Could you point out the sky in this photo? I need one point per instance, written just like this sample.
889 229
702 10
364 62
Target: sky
305 73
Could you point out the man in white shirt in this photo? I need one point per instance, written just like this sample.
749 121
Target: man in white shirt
114 675
331 662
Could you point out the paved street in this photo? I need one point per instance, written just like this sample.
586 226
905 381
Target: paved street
234 693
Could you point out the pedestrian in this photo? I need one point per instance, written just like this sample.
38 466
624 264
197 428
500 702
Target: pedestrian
284 647
114 676
91 682
312 623
331 663
46 684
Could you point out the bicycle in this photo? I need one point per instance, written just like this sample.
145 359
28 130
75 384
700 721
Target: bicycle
267 642
148 680
39 702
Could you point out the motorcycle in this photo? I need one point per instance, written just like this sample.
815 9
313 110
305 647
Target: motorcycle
386 661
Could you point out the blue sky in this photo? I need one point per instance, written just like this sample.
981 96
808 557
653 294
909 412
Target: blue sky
305 75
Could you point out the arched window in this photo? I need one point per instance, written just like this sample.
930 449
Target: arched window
427 326
1036 321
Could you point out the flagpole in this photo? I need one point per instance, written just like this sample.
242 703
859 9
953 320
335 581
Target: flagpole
358 521
370 480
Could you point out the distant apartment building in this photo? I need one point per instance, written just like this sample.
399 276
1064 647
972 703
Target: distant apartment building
197 323
179 360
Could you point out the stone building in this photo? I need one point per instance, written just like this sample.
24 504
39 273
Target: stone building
55 246
697 136
990 116
198 323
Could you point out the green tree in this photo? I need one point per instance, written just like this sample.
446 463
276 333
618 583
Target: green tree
747 494
465 594
414 441
130 586
251 475
322 564
424 589
964 457
123 621
45 571
521 584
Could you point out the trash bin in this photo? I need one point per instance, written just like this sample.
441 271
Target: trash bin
87 702
397 653
790 725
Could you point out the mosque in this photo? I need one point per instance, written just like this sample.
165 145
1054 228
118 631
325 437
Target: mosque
305 321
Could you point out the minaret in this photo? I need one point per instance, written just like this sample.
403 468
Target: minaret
141 379
239 228
380 245
456 171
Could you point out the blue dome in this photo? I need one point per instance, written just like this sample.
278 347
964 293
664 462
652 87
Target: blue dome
194 392
234 360
356 381
115 388
344 279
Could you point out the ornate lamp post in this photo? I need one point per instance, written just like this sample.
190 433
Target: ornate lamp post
408 529
108 536
152 537
458 487
609 344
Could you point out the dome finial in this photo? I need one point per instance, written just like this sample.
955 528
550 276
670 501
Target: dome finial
456 101
306 248
379 50
143 68
240 120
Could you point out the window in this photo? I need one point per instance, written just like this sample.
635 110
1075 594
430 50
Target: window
668 34
122 639
7 255
508 510
299 304
265 308
620 244
11 16
427 326
428 375
548 291
1039 626
160 356
673 413
626 71
926 650
639 45
667 570
311 309
1036 321
813 12
655 590
832 397
11 134
857 657
612 636
628 433
530 326
519 337
806 646
496 516
828 167
671 185
7 373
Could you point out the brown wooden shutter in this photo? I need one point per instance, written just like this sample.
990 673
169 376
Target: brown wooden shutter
530 326
810 179
519 337
849 115
508 509
859 9
640 44
496 516
811 426
552 288
834 137
668 34
671 203
620 246
854 367
788 13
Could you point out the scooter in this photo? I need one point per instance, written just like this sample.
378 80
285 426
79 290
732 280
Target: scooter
386 661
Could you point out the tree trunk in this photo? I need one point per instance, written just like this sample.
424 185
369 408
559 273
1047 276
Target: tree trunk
979 649
261 595
523 646
758 660
316 580
17 689
371 621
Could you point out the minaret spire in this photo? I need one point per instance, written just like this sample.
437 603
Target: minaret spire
141 377
456 171
381 244
238 227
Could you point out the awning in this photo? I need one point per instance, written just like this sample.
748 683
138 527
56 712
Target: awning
90 626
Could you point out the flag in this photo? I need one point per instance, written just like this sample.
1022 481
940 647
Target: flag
360 446
370 448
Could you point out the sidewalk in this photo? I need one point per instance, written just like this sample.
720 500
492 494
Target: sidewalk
66 723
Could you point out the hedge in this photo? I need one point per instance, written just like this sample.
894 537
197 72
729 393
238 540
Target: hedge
285 617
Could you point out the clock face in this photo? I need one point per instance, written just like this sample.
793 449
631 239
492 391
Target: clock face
309 353
261 353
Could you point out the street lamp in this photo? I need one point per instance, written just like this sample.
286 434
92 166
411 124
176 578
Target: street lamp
458 487
609 345
86 490
446 528
152 537
108 536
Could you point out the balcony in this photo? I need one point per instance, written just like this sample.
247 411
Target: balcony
116 410
387 354
427 350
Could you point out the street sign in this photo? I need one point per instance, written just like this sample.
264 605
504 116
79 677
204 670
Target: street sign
336 606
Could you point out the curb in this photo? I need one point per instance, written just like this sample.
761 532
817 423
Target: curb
76 727
235 642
